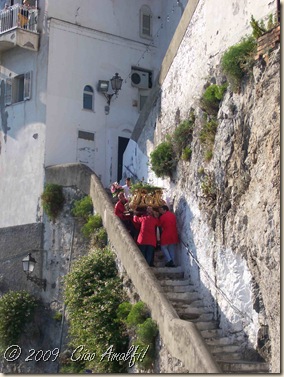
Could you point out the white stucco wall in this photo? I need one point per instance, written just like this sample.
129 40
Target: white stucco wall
22 144
96 40
92 55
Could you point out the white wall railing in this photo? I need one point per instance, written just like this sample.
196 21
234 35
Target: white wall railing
17 16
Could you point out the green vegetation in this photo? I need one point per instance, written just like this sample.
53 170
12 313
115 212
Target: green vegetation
259 28
93 224
212 97
57 316
52 200
186 154
163 160
238 61
201 171
16 310
144 186
182 136
137 315
207 137
143 329
93 293
83 208
177 146
100 237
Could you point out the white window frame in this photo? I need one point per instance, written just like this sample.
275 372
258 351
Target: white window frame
18 88
146 32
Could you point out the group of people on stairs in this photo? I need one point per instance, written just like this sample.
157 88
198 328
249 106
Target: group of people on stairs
143 227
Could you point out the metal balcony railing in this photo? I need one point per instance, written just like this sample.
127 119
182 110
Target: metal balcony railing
17 16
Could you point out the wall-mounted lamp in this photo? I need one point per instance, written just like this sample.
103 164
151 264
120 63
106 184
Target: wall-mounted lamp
28 267
116 83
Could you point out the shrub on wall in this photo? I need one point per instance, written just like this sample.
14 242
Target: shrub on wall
163 159
259 28
93 292
142 329
16 310
207 137
182 135
52 200
238 61
212 97
83 208
100 237
93 223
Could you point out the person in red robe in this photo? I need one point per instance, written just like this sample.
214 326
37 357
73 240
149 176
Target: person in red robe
169 235
147 237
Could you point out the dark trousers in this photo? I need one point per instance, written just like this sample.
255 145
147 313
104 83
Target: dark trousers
131 228
148 252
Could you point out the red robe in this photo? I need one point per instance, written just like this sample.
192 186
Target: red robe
168 224
119 210
147 234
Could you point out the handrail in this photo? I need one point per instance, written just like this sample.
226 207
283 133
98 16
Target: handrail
17 16
189 252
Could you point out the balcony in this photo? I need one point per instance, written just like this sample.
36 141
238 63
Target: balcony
18 27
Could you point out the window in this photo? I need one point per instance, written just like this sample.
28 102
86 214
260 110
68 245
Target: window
88 97
18 88
145 22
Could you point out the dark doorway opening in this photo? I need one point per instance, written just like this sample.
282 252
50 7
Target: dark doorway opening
122 144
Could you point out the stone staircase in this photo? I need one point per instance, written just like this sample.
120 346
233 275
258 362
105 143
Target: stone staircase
190 307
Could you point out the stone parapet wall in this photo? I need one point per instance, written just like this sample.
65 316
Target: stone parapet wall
182 338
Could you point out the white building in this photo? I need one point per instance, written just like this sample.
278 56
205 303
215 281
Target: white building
51 110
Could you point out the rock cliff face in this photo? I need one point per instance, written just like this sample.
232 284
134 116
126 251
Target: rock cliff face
233 233
240 243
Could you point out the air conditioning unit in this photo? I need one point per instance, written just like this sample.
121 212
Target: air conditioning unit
140 79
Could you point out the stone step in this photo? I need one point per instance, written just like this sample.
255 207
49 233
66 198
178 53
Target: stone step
158 264
229 357
184 308
176 302
230 348
179 288
218 341
206 325
206 317
168 272
191 296
195 316
172 282
212 334
243 366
